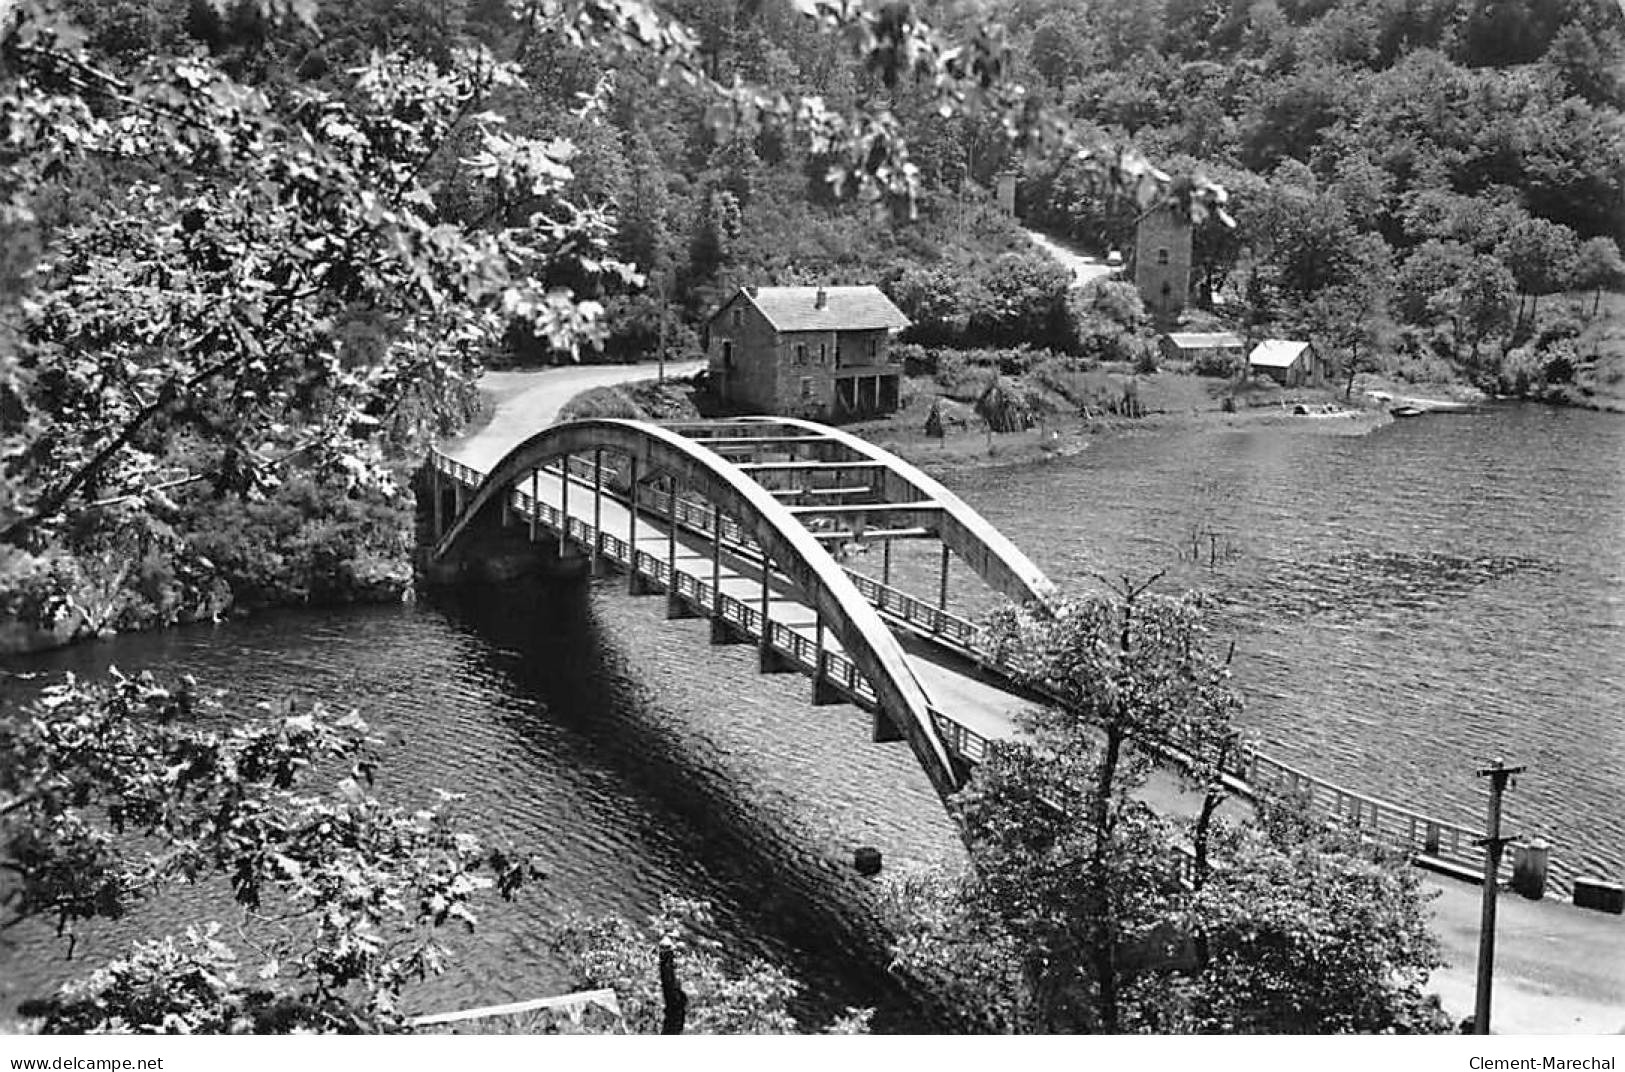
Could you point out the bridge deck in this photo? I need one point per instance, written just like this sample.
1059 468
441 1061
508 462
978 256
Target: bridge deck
984 709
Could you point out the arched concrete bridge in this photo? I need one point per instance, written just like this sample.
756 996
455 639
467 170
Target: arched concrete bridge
695 510
735 520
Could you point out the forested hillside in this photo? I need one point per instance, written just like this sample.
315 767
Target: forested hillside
1410 175
386 197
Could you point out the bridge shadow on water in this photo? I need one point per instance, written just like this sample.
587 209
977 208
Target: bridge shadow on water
608 674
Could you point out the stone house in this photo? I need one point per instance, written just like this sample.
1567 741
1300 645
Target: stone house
818 352
1289 362
1162 261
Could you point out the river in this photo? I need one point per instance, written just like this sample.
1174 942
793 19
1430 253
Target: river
1405 606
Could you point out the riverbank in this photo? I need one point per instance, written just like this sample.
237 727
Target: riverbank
1169 403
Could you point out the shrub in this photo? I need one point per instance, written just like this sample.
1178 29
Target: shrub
959 377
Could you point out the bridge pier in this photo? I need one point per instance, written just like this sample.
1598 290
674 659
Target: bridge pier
771 660
439 509
725 632
823 690
884 729
677 607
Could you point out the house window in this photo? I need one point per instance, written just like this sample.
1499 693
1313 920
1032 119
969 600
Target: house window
801 353
823 353
738 317
727 353
874 348
1162 255
806 389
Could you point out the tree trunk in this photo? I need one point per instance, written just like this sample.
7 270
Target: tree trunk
1199 838
1105 951
1596 303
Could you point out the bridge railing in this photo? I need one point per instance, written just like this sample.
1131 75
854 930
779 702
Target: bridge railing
961 632
1390 824
463 474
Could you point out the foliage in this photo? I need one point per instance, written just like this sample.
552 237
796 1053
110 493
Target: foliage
1304 935
117 791
752 998
1087 910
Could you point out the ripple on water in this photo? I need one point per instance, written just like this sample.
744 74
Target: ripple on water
633 758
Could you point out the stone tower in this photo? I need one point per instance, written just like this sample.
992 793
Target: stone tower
1162 261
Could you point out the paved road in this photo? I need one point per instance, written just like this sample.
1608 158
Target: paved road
1085 268
523 402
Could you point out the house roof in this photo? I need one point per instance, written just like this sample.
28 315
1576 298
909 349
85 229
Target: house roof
862 308
1277 353
1205 340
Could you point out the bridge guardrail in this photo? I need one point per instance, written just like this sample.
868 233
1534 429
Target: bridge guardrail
1396 826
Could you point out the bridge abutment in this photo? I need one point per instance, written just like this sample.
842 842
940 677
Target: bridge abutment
497 552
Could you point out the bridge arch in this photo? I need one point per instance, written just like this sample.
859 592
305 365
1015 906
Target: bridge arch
786 542
998 562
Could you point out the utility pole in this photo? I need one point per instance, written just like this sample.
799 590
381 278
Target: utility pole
1499 775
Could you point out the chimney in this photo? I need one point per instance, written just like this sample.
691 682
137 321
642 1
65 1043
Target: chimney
822 299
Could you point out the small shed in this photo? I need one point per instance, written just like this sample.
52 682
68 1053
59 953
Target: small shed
1207 352
1289 362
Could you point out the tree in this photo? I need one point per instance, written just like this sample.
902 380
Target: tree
1087 910
1307 932
752 998
1122 668
114 792
1351 320
1598 266
211 303
1479 303
1541 256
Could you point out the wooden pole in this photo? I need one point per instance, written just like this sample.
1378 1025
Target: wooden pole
885 562
942 588
1499 774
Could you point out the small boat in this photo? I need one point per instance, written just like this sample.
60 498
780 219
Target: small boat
1407 411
